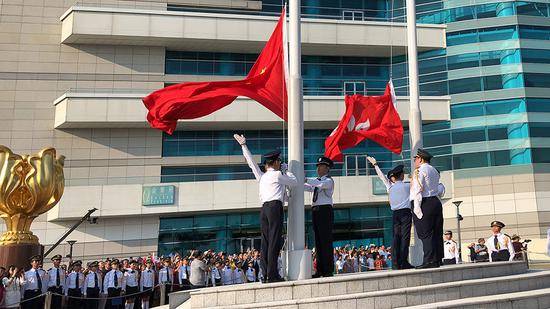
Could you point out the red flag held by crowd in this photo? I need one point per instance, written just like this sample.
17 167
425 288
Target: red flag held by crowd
265 83
367 117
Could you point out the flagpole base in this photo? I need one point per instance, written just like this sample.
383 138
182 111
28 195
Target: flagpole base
299 264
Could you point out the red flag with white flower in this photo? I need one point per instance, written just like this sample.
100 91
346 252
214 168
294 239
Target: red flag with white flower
367 117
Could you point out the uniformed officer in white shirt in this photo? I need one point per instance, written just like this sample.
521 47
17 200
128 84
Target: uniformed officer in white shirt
166 277
56 281
113 284
74 285
322 216
216 274
92 286
131 279
34 285
184 273
398 194
147 283
250 273
450 249
499 245
272 195
428 211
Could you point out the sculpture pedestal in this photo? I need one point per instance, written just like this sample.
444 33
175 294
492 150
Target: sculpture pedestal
19 254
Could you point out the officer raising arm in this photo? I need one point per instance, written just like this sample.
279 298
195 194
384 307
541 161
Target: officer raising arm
398 193
322 216
499 244
272 196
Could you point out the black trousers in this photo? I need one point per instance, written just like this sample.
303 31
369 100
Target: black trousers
56 299
430 229
114 303
449 261
271 224
131 290
37 303
74 303
92 293
402 220
502 255
323 221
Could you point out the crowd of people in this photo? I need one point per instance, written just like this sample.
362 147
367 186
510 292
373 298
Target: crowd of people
135 282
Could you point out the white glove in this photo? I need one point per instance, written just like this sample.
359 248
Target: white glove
240 139
284 167
371 160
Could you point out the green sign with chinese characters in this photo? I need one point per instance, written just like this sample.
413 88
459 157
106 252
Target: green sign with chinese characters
378 187
158 195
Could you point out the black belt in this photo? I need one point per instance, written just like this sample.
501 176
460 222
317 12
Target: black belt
322 205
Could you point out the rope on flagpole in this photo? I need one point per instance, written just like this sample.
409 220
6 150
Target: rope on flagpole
284 75
391 38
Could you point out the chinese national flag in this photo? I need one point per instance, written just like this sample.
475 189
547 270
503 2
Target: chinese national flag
367 117
264 83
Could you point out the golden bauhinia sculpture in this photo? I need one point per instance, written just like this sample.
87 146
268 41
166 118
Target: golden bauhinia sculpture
30 185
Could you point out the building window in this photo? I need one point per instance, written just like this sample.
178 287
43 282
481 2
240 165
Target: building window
239 231
351 88
205 173
353 15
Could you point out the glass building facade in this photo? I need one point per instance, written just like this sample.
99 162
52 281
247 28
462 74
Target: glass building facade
495 68
233 232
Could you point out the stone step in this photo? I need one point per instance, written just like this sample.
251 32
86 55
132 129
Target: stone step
342 284
535 299
410 296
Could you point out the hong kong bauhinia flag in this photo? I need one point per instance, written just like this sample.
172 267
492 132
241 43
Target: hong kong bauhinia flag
265 83
367 117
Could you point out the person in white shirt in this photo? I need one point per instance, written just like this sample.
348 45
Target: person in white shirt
228 275
131 278
272 195
250 273
450 250
113 285
428 211
322 216
147 283
34 284
56 281
184 273
398 194
499 245
166 277
74 285
13 284
216 274
92 286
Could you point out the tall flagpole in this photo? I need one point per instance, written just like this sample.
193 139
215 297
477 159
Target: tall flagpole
415 117
299 260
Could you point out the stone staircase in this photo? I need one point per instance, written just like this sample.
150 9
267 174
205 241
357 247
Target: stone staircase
481 285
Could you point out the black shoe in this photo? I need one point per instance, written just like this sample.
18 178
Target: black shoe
263 280
316 275
328 275
407 266
279 279
428 265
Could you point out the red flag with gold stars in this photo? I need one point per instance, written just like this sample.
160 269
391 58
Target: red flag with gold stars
265 83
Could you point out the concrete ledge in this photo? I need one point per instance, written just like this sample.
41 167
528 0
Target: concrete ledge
87 109
525 300
412 296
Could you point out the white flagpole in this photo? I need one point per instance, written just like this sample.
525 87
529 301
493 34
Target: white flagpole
415 117
299 260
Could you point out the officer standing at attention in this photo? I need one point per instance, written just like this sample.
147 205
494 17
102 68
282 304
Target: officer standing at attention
74 285
113 285
450 249
428 211
131 279
56 281
499 245
92 286
146 284
322 216
272 196
398 193
33 285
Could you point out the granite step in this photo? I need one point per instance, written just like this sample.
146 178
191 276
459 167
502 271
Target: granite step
410 296
534 299
342 284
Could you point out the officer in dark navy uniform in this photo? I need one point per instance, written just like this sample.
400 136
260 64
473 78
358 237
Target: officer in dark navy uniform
322 216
